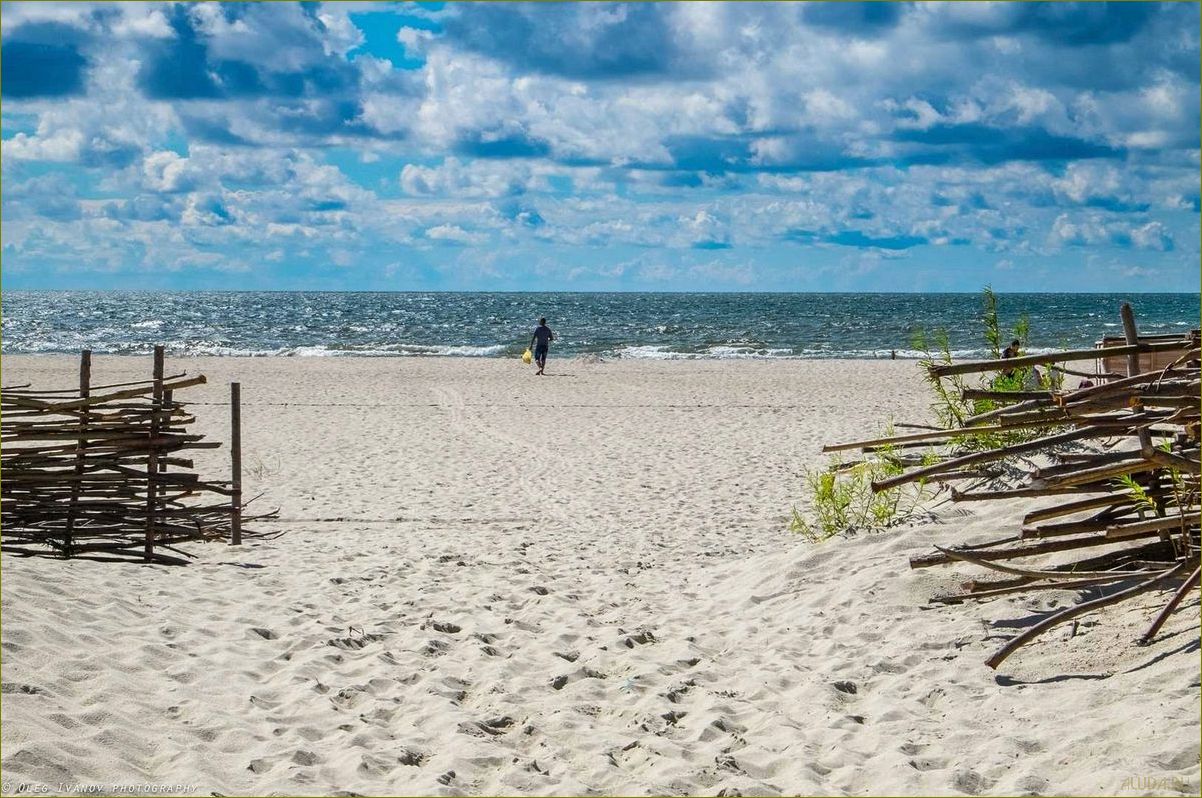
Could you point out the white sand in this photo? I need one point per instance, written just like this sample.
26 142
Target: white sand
492 583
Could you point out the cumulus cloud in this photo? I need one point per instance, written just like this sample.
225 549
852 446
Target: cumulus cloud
332 129
1094 229
166 172
705 231
452 233
61 145
478 178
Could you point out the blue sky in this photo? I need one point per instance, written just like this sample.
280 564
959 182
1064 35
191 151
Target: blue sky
796 147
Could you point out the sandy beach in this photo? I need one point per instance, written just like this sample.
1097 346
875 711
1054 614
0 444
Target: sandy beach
491 583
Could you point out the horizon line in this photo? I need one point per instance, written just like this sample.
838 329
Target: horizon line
577 291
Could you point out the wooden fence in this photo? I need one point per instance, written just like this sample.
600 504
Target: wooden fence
1119 459
102 471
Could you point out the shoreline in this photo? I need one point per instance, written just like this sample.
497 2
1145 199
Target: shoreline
513 352
631 326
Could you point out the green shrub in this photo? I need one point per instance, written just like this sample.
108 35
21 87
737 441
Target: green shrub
841 496
950 408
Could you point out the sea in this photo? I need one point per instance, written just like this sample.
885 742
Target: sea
661 326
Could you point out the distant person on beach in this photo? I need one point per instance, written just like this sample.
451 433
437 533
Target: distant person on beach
540 342
1009 352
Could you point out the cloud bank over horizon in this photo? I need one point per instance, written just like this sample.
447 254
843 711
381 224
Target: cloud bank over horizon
741 146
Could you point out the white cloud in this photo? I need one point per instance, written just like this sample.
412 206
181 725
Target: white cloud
139 19
705 229
455 234
166 171
415 40
1153 235
479 178
1093 229
62 145
748 125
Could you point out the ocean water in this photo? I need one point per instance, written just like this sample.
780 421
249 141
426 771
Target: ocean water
611 325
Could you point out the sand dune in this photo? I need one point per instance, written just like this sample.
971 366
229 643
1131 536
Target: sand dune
492 584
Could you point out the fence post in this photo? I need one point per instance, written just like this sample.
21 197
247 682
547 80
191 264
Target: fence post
1131 333
236 464
85 390
152 455
168 404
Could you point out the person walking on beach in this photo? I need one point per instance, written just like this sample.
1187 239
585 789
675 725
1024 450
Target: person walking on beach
541 343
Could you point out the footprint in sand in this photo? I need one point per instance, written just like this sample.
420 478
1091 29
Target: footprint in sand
348 697
676 693
354 642
305 758
434 648
27 689
490 728
640 638
730 727
727 762
559 682
971 782
454 689
263 703
411 758
379 765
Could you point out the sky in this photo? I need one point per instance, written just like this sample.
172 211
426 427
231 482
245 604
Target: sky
596 146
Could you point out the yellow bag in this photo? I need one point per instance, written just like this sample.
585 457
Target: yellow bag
527 357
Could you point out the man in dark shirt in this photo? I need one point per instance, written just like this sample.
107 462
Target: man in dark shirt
541 343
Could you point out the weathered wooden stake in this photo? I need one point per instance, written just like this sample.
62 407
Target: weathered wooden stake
1132 335
236 463
1181 593
85 390
168 402
152 458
